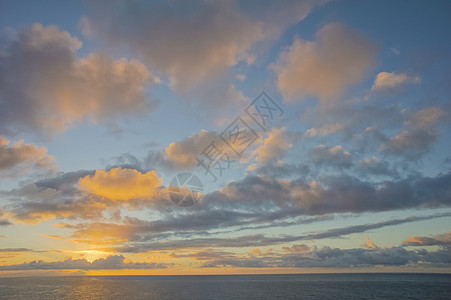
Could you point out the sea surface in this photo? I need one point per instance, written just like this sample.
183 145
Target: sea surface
306 286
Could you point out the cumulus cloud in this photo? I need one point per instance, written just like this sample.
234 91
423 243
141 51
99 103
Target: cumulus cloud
385 80
19 158
339 57
255 199
100 192
121 184
331 156
274 146
45 85
115 262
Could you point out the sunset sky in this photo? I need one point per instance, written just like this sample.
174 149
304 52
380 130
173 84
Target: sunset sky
341 164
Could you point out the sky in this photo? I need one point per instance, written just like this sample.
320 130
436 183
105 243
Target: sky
224 137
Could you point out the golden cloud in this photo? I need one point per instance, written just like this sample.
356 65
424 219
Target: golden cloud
120 184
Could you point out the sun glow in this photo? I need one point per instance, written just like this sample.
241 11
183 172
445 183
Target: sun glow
92 255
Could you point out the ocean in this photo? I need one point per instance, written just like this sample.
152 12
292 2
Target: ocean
305 286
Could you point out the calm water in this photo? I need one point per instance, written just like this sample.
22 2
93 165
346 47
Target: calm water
317 286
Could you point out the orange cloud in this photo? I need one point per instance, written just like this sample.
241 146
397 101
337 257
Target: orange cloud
385 80
439 239
275 145
370 244
120 184
50 87
339 57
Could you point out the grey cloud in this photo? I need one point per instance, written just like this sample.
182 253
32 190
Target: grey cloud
337 194
17 158
115 262
15 250
341 258
283 170
410 144
375 166
258 240
323 155
60 197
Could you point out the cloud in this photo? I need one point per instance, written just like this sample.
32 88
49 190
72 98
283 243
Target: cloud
325 130
330 156
193 42
115 262
188 42
340 258
183 153
260 240
426 117
274 146
44 84
19 158
207 254
385 80
283 169
374 166
63 196
254 199
336 194
4 223
411 144
301 248
13 250
339 57
370 244
120 184
439 239
32 204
